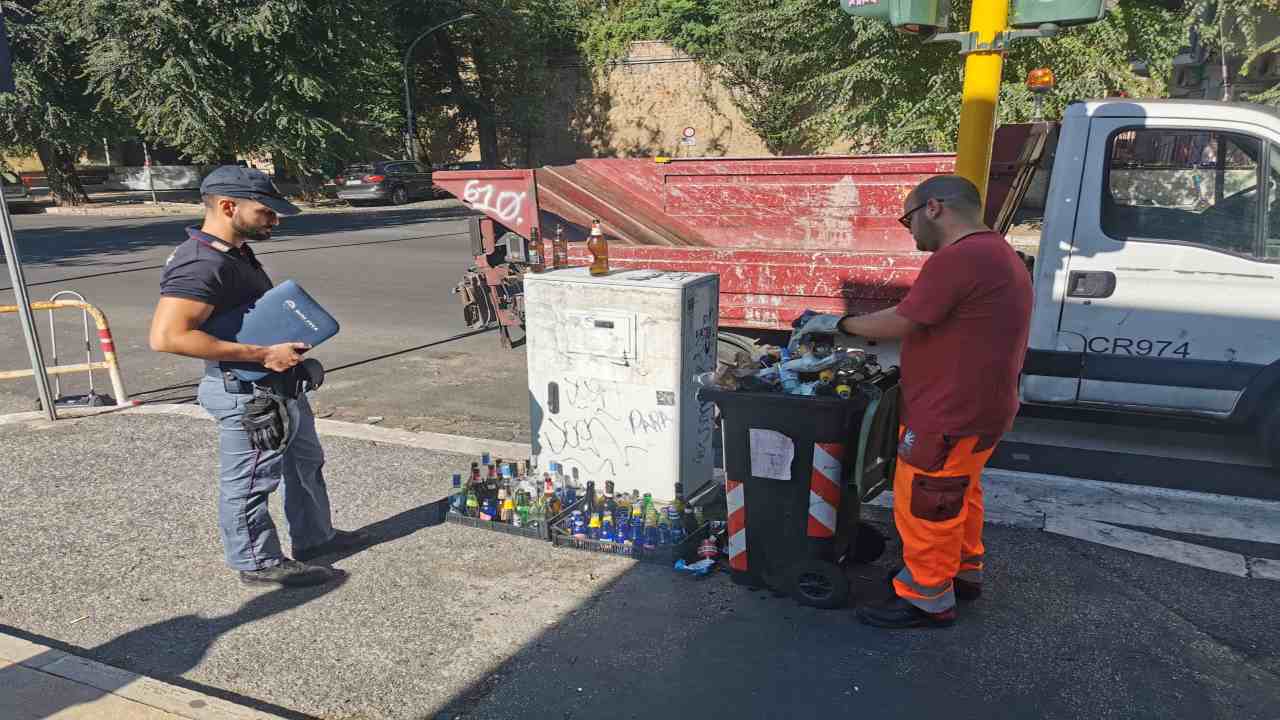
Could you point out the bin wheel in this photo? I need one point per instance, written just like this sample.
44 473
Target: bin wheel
820 584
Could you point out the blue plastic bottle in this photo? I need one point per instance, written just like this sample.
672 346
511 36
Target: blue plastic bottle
622 523
674 522
790 381
458 500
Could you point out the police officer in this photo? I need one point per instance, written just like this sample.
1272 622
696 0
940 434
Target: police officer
215 271
964 327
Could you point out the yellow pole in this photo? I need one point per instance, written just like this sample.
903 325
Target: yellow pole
982 72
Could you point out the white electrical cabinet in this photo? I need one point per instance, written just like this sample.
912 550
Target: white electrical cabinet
612 362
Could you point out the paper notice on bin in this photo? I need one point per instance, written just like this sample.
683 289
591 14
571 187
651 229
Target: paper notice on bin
771 454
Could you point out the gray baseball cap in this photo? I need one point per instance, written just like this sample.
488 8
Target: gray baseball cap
248 183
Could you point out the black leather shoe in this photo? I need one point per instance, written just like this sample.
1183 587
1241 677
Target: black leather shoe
341 540
965 591
289 573
898 613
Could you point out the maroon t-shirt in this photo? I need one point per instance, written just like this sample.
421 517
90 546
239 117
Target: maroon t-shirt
960 369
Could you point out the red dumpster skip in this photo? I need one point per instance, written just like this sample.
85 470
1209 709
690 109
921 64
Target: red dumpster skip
784 233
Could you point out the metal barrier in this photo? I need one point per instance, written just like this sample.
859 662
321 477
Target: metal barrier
105 342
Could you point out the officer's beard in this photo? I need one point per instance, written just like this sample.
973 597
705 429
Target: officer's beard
250 232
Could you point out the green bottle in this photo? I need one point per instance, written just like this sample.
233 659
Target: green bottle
473 502
522 509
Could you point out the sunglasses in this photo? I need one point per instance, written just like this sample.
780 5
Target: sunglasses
906 217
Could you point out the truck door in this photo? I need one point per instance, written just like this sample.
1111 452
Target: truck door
1172 278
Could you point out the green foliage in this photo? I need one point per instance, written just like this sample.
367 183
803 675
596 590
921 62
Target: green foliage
216 77
491 72
694 26
810 78
52 111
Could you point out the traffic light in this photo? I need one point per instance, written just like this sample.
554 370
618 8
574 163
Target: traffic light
918 17
1034 13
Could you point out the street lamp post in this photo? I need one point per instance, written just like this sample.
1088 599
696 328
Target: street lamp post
411 120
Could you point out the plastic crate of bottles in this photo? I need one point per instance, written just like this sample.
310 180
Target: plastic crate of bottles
686 549
533 531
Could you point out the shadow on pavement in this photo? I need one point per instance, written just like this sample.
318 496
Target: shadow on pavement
1067 634
166 650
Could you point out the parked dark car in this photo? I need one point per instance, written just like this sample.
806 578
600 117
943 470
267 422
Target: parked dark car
16 195
472 165
393 181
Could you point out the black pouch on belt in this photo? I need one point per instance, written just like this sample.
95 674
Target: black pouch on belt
266 420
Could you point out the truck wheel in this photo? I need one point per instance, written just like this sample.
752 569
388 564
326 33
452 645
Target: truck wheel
399 196
820 584
1269 436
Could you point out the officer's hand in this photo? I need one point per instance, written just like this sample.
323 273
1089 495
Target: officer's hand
284 356
822 324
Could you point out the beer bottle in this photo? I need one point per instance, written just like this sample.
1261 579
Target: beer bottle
598 245
537 261
549 496
560 249
610 505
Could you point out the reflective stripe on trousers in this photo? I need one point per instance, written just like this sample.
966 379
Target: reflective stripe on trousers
939 514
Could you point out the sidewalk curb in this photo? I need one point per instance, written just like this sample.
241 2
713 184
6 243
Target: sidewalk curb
123 683
336 428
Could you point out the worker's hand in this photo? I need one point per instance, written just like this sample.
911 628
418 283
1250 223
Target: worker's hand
284 356
821 324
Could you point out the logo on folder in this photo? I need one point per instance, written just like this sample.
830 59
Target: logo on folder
291 305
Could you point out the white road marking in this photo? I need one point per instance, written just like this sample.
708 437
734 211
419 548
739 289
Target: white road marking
1139 542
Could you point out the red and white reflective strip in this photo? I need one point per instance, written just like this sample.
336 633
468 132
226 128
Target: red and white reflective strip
108 345
735 498
824 489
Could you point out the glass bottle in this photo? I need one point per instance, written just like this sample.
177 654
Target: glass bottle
598 245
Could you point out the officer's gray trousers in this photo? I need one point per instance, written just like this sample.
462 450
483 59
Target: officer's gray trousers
248 476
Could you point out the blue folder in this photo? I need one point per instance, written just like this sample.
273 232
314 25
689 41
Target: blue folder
286 313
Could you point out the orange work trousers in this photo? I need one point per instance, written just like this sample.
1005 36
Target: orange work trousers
937 508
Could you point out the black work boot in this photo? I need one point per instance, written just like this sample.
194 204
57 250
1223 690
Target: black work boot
898 614
341 540
967 591
289 573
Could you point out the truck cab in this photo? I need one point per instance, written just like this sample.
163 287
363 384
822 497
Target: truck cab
1158 276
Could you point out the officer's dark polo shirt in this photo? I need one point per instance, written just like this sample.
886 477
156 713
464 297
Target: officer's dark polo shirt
197 270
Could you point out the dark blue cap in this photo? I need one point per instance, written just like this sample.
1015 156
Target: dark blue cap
249 183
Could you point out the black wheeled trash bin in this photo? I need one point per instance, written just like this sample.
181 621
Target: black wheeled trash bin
793 499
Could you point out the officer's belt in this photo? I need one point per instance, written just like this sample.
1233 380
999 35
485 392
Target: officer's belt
284 384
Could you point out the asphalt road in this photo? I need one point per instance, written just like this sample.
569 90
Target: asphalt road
122 564
386 274
405 356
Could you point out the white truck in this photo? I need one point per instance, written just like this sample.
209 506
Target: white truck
1157 277
1157 282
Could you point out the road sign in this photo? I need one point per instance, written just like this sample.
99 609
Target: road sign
689 132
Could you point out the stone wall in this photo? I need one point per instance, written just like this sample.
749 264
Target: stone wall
640 106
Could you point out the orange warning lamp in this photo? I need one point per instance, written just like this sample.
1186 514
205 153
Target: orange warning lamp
1040 80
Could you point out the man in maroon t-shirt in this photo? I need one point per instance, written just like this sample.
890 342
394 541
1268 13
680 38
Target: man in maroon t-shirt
963 327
